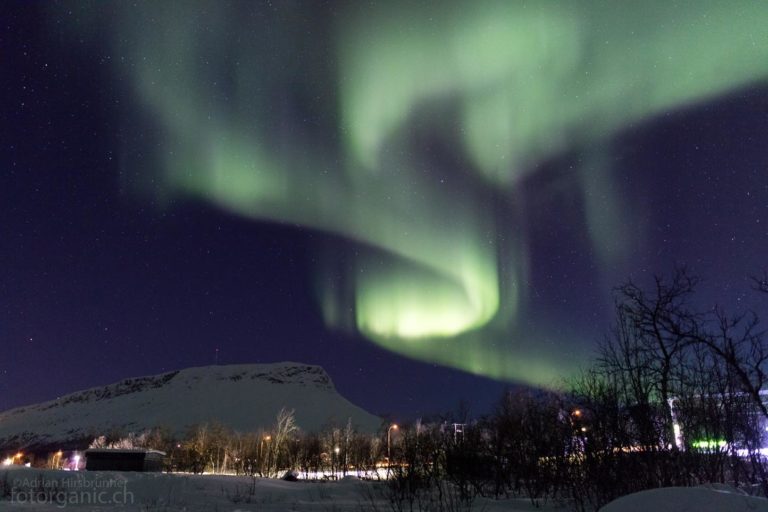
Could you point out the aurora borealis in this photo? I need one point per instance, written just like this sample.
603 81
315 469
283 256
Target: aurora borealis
431 148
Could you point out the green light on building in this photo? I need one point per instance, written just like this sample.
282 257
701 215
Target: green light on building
709 444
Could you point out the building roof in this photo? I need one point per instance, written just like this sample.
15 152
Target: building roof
123 450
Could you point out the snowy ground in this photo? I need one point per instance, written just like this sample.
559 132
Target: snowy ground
688 499
48 491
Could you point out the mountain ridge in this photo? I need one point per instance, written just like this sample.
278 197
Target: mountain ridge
244 397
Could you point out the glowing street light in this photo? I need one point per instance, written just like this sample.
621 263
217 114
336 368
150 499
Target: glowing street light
335 462
264 439
56 462
389 431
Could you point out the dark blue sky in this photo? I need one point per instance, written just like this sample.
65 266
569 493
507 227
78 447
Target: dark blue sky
98 283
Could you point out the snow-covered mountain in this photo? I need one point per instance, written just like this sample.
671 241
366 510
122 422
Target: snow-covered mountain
243 397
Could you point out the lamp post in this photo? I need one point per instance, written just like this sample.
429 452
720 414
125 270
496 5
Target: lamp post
335 464
389 452
266 438
56 463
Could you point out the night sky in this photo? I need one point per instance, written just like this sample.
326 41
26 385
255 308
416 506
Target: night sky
432 201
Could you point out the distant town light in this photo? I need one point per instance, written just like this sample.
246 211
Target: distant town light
709 444
8 461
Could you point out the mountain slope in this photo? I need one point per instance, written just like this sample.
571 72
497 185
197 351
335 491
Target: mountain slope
243 397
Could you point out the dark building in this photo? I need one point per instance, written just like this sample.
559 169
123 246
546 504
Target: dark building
139 459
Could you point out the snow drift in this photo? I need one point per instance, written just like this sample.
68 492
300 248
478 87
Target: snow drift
688 499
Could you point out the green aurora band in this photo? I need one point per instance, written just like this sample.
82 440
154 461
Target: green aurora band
441 274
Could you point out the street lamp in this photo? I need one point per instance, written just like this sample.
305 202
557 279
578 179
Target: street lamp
335 462
19 456
56 463
389 432
262 455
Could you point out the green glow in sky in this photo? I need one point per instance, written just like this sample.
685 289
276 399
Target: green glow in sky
443 276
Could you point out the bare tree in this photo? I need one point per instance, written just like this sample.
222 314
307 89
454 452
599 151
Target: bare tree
285 427
653 330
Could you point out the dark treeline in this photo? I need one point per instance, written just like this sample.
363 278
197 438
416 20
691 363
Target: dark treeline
215 448
673 398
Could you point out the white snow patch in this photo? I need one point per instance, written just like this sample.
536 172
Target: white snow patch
688 499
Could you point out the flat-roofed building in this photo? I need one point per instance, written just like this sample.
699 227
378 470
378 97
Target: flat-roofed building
134 459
